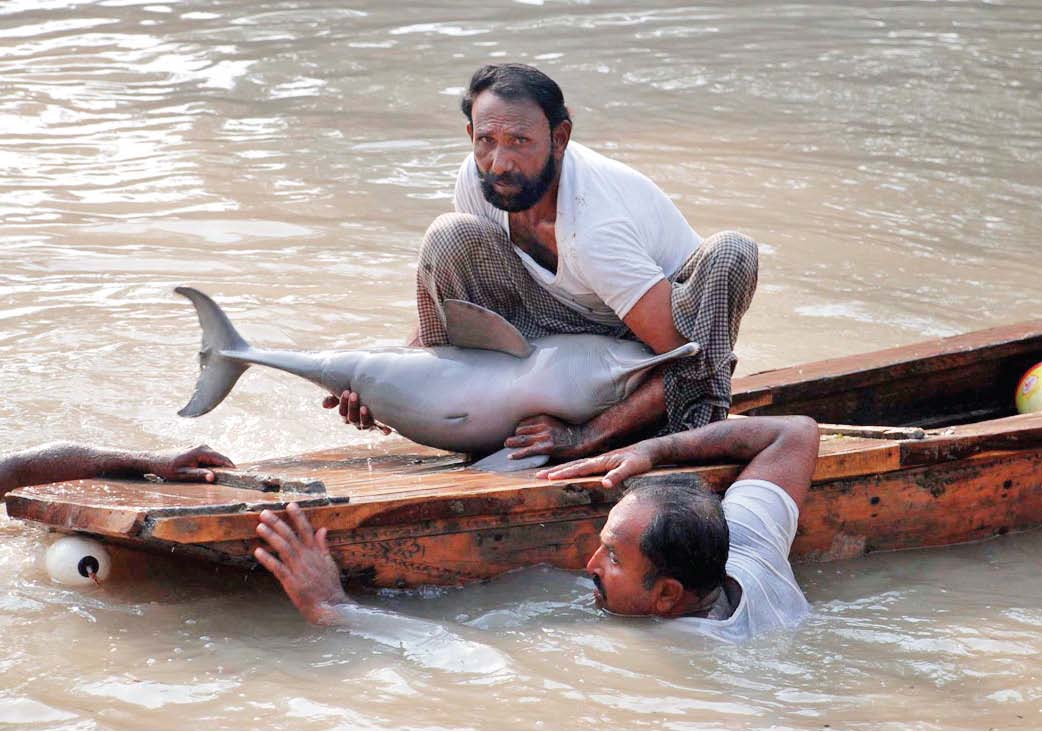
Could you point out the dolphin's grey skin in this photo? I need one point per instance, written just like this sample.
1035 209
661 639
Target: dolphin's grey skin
465 399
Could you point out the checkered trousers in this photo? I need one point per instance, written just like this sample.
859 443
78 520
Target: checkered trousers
464 257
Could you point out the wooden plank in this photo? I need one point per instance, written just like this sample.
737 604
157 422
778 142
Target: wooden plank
451 539
266 482
344 473
206 513
382 558
1022 431
914 359
498 495
961 500
875 432
852 377
955 501
944 398
512 499
124 507
64 516
471 556
468 492
841 457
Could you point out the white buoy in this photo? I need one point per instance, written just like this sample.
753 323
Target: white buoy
74 560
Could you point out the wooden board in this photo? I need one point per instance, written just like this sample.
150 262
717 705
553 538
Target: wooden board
972 375
402 520
425 518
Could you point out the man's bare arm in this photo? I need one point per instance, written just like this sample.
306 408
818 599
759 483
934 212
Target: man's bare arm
58 461
651 320
543 434
299 558
782 450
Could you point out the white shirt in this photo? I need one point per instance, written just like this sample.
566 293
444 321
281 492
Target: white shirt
617 234
761 518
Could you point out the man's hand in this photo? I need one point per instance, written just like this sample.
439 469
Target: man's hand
617 464
186 465
781 450
546 435
305 568
354 412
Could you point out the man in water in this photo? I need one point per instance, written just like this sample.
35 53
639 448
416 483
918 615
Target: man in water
560 239
669 549
59 461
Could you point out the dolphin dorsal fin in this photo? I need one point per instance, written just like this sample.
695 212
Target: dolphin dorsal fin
472 326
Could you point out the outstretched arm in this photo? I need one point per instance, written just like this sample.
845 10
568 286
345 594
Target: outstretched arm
782 450
299 558
58 461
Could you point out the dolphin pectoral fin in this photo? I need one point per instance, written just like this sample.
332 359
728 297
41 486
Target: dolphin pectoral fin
500 462
471 326
683 351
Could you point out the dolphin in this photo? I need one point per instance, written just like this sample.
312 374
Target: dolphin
464 397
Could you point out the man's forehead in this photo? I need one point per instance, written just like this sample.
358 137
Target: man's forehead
490 108
627 520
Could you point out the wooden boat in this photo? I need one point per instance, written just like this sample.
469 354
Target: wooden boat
920 447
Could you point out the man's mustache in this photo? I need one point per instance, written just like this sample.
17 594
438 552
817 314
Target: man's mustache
600 586
510 179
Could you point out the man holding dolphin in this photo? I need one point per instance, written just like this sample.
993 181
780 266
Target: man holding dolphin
560 239
669 548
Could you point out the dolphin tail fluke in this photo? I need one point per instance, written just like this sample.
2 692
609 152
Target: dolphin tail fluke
218 373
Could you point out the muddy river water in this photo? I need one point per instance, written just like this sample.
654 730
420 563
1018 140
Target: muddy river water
287 156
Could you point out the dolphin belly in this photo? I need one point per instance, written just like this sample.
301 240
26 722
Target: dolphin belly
445 397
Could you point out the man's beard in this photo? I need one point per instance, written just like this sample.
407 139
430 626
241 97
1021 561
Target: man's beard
529 190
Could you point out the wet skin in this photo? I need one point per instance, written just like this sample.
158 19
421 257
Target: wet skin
618 567
60 461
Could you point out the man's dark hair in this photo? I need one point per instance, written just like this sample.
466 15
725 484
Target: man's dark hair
687 538
517 81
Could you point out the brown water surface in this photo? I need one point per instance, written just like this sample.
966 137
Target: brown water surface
287 157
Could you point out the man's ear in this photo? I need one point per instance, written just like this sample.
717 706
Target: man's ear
470 131
668 595
560 136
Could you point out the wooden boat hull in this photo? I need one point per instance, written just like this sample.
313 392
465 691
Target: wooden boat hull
402 520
